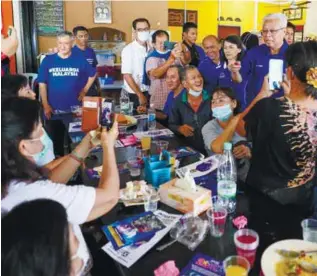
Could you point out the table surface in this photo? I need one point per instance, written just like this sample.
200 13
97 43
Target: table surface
272 221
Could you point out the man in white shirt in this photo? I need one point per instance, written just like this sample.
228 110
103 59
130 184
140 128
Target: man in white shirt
132 59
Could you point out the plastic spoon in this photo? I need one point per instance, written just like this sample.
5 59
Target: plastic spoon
175 235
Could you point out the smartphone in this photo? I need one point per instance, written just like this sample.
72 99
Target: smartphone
168 45
275 73
107 115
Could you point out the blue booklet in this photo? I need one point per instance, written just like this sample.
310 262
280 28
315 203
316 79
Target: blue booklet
203 265
133 230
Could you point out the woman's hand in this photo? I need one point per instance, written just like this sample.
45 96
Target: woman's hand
241 151
234 67
141 109
108 138
177 51
186 130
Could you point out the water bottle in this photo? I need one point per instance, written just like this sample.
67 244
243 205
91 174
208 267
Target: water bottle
151 118
124 102
227 177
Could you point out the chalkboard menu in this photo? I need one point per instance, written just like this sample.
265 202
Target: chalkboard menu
49 16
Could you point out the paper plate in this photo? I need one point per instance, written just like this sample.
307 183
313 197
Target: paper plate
270 258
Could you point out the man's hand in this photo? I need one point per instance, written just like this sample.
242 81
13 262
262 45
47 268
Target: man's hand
142 99
82 94
186 130
177 51
241 151
48 110
141 109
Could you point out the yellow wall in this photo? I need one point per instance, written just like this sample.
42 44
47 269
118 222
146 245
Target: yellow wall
208 13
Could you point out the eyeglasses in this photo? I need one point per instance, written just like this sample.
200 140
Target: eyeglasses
272 32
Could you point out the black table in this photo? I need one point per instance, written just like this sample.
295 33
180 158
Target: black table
272 221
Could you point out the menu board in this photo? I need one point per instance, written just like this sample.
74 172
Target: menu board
49 17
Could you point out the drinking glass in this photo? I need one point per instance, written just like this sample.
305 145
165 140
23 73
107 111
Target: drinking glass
134 166
130 112
236 266
76 110
217 219
309 230
218 201
246 241
146 142
150 200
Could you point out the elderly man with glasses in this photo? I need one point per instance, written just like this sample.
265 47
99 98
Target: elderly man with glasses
256 63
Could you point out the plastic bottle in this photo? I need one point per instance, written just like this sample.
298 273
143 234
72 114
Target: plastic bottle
151 117
227 177
124 102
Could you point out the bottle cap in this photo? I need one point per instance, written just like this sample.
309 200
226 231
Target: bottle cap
227 146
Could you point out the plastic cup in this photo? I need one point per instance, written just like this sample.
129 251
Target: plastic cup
130 108
309 230
122 130
146 142
221 202
236 266
217 219
134 166
150 200
246 241
76 110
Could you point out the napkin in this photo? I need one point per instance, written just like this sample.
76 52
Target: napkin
167 269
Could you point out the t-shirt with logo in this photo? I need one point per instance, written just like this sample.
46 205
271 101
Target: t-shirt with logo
65 78
88 53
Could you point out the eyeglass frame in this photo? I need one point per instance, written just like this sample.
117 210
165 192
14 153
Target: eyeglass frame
272 32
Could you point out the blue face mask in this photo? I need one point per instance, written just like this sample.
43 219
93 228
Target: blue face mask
222 113
46 155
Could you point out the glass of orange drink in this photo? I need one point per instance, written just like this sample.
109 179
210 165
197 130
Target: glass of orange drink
236 266
146 142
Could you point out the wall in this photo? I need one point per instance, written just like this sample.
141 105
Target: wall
123 13
7 20
311 26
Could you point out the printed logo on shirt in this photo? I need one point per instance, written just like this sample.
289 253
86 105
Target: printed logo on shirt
222 75
90 61
259 65
64 72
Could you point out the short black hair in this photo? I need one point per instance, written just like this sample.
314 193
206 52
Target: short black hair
250 40
302 56
229 92
234 39
291 25
35 240
138 20
179 69
188 25
11 84
159 33
79 28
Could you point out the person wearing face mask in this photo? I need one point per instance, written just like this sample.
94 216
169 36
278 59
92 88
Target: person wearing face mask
225 109
132 63
212 64
23 180
256 62
156 65
16 86
191 110
81 47
230 76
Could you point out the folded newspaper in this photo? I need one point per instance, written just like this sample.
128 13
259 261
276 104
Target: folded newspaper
128 255
157 133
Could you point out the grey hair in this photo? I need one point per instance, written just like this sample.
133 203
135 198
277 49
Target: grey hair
65 33
184 71
276 16
179 69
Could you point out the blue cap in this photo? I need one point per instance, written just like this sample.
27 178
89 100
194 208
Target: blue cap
227 146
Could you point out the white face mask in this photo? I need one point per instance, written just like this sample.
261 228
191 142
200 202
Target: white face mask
164 52
143 36
46 155
194 93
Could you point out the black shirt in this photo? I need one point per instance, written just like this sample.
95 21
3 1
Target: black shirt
284 138
193 53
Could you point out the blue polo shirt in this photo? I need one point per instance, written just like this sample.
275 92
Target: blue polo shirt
170 102
88 53
256 67
224 79
65 78
210 73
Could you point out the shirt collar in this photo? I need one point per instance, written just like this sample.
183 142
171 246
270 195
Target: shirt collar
137 44
281 51
185 96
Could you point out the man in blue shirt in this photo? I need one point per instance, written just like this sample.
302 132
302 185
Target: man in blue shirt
193 54
64 79
255 66
211 66
81 47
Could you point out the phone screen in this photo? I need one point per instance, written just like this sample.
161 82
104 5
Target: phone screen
169 45
275 73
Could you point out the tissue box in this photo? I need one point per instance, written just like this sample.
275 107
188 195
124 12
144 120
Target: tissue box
184 201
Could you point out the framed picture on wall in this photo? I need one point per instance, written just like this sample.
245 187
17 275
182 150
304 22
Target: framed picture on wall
175 17
102 11
192 16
